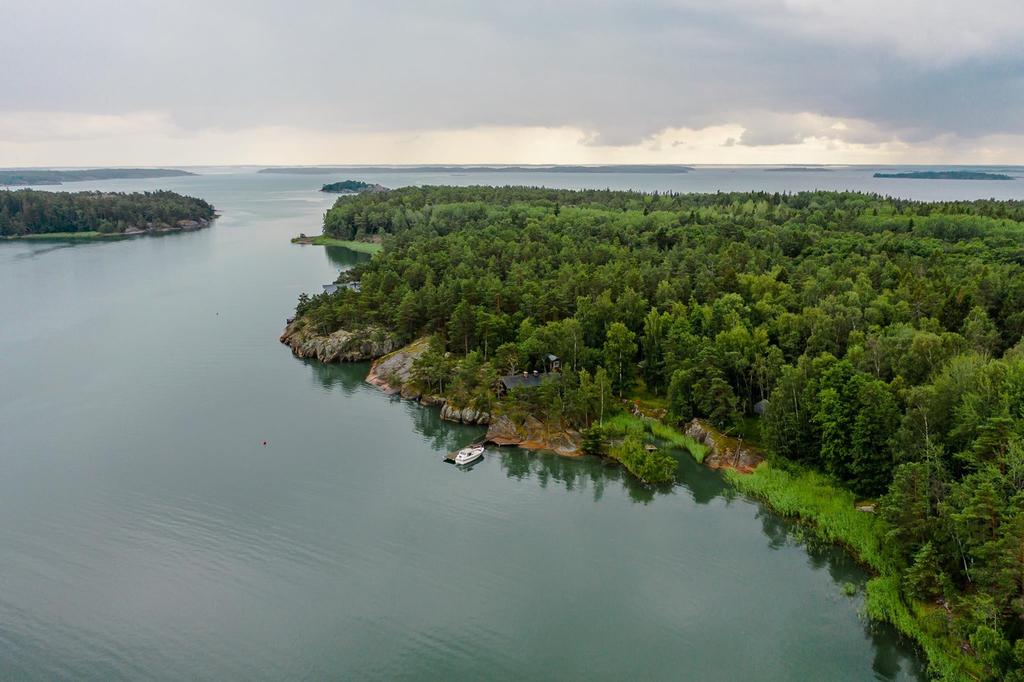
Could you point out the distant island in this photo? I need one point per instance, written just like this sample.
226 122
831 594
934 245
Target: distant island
33 214
800 169
352 187
620 168
56 177
945 175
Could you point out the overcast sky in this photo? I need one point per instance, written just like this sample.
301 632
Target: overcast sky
91 82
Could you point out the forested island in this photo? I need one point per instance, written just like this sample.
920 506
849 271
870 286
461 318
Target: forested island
57 177
352 187
34 214
945 175
881 338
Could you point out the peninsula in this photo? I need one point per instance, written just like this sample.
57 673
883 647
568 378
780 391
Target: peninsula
945 175
32 214
869 346
18 177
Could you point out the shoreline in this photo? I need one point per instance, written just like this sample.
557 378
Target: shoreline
371 248
833 513
92 235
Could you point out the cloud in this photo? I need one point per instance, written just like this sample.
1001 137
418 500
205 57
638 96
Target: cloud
619 73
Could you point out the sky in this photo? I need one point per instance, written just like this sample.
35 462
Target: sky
192 82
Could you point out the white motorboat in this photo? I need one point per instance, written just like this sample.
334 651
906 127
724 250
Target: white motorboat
469 454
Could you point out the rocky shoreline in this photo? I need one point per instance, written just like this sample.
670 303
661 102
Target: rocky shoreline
179 226
391 372
724 452
368 343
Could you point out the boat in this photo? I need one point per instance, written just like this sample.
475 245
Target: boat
469 454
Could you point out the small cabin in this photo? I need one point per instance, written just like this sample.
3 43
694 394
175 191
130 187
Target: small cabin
330 288
553 363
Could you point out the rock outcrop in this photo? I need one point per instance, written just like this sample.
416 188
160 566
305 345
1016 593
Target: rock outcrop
392 373
533 434
343 345
724 452
465 415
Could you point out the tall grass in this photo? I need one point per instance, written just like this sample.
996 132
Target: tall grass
921 623
624 424
808 495
811 496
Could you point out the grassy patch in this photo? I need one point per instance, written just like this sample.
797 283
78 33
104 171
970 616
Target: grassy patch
647 400
679 439
626 424
650 466
323 240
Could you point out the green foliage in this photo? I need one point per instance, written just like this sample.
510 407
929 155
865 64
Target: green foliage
29 212
650 466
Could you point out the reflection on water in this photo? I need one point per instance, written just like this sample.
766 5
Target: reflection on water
594 476
344 258
346 376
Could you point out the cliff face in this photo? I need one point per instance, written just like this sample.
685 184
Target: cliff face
533 434
724 452
340 346
392 374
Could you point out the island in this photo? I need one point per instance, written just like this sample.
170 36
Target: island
800 169
33 214
945 175
855 361
352 187
16 177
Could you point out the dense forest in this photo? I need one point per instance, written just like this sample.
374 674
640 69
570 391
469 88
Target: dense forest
56 177
28 212
884 335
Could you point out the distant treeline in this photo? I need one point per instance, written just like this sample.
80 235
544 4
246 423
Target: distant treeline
621 168
56 177
26 212
945 175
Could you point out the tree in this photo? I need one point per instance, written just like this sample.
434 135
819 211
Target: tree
619 353
871 441
653 341
461 324
925 578
981 334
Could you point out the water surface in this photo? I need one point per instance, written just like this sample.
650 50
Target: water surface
147 532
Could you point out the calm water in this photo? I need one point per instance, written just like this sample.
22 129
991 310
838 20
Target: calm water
147 533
